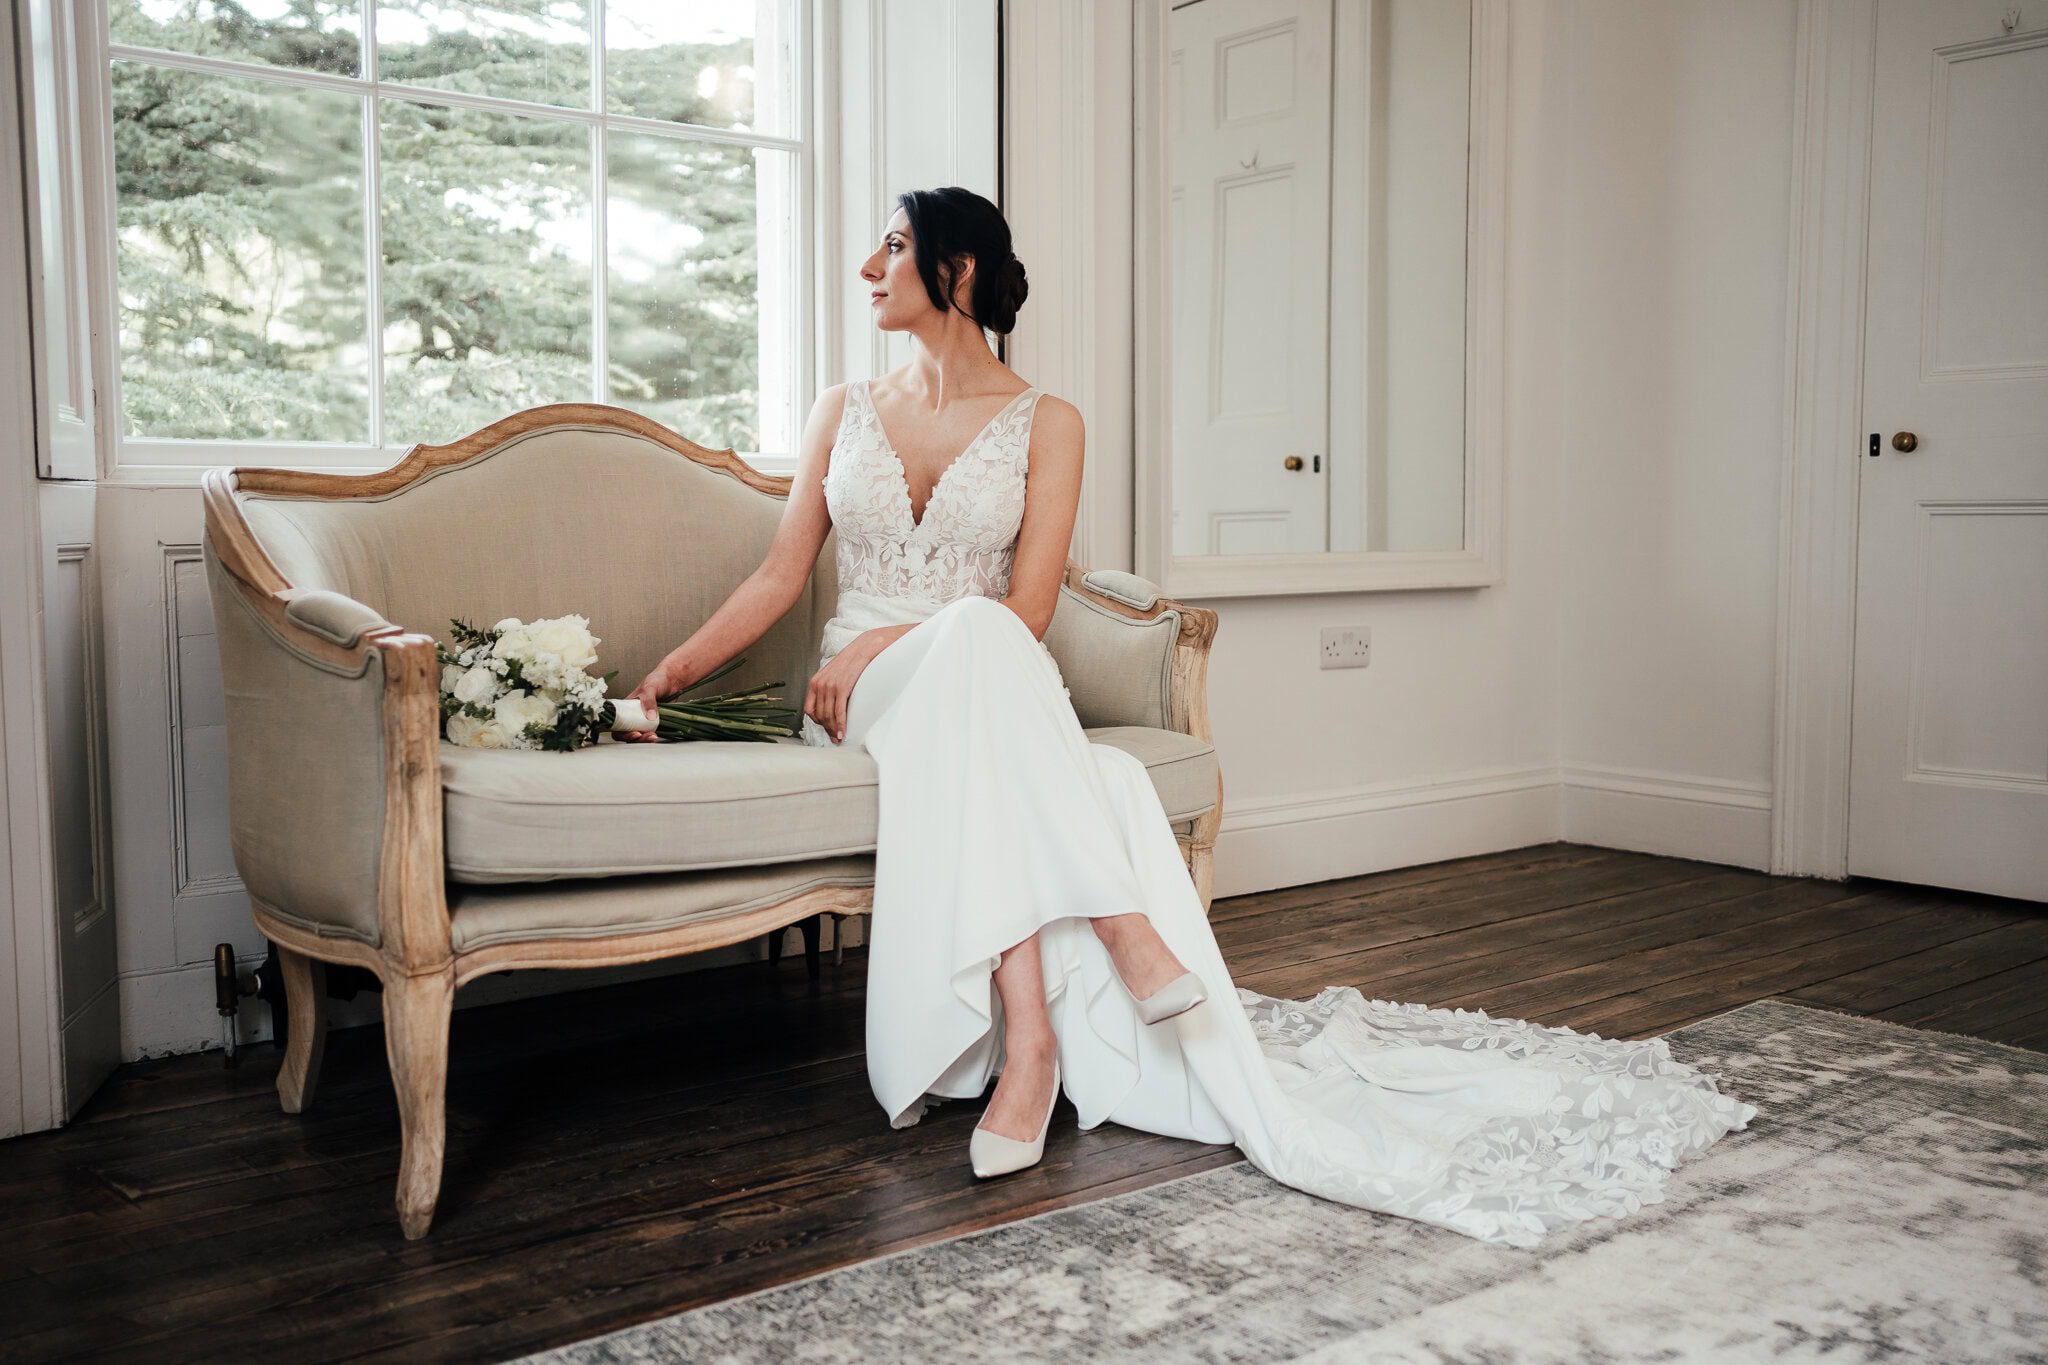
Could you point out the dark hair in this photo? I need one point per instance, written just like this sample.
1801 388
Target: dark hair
952 223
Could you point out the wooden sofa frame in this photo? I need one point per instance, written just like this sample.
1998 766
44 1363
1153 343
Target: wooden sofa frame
416 962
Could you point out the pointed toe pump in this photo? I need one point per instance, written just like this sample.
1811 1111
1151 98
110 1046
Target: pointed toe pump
994 1154
1177 996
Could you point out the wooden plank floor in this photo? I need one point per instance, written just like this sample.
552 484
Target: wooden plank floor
623 1153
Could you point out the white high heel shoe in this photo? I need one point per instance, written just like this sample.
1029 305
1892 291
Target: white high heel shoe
994 1154
1177 996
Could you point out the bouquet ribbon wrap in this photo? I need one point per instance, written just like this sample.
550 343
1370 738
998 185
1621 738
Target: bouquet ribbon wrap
630 714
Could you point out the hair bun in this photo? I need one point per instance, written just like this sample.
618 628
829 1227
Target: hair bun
1014 278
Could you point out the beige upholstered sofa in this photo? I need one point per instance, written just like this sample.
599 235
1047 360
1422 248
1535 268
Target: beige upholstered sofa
364 837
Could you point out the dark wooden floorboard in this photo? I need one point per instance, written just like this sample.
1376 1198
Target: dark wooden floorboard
631 1151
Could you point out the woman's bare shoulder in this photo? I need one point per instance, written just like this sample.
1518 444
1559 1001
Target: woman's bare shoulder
1056 418
831 400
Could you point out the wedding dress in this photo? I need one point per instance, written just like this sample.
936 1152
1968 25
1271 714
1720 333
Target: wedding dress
999 818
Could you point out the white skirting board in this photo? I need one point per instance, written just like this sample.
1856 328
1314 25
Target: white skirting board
1684 817
1294 840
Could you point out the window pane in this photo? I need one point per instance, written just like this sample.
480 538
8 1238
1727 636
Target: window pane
516 49
487 267
240 258
315 35
721 63
685 318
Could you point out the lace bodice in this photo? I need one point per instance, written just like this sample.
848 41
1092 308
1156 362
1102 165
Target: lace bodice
968 537
895 569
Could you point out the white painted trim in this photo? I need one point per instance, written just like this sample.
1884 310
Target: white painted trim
1316 836
1667 813
1354 831
1481 562
1816 649
1667 786
31 1077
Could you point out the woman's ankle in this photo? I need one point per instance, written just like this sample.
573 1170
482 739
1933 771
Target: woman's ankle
1033 1047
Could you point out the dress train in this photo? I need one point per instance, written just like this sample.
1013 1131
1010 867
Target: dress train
999 818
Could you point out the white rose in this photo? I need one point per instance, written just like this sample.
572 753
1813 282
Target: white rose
517 710
515 642
462 729
567 638
450 675
477 686
491 735
509 623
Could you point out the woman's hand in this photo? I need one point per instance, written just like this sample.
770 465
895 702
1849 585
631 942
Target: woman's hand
651 690
831 687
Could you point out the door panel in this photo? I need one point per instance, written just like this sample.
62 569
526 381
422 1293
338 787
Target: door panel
1248 133
1949 761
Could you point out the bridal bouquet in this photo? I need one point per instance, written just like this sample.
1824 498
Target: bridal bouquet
525 685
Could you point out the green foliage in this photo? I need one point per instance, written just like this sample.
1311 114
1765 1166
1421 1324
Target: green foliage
243 242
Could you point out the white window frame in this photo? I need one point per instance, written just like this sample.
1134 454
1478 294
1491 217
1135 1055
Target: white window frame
177 462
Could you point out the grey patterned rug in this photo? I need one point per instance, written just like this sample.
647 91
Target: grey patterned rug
1889 1203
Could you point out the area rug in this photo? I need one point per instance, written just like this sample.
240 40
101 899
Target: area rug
1890 1202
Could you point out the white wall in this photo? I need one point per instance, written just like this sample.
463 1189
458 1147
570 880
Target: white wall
1618 687
1448 743
1677 209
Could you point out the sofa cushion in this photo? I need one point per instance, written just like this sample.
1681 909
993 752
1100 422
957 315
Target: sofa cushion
599 908
1118 670
610 810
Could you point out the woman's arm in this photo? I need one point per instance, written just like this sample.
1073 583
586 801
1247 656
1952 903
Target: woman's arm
764 596
1052 499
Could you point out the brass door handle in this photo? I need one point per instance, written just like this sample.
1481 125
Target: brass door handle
1291 462
1904 441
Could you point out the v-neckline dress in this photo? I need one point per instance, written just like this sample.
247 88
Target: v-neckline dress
998 817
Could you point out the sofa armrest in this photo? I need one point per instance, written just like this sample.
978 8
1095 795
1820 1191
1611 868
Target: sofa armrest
334 784
342 620
1129 655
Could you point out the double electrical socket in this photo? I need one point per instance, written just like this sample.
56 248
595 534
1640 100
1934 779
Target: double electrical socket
1347 646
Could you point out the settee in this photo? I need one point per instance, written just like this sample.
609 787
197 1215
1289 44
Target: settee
364 837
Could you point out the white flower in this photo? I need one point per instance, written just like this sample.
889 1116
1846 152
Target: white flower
515 641
450 675
517 710
568 638
477 734
477 686
509 623
490 735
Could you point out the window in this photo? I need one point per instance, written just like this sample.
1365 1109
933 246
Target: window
345 226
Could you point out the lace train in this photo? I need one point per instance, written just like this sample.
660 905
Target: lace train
1608 1120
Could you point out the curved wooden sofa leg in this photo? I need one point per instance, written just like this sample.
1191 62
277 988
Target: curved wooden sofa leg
305 995
1202 854
416 1015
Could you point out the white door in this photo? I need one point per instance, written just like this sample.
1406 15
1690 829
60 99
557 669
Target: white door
1248 227
1949 731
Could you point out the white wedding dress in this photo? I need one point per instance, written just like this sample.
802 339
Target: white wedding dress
1000 818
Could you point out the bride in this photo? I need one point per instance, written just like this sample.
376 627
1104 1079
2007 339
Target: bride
1033 918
